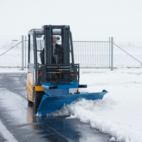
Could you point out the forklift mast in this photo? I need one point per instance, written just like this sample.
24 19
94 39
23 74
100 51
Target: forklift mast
64 70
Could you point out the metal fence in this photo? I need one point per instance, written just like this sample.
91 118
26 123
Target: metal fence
92 54
89 54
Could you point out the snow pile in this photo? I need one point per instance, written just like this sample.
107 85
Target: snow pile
112 139
103 115
119 113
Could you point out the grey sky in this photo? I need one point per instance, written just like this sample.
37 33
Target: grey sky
89 19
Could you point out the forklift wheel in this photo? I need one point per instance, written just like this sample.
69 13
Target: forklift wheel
35 100
29 102
37 96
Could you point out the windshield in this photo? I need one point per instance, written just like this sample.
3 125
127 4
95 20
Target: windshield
58 52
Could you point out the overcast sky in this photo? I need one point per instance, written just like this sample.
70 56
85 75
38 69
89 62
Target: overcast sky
89 19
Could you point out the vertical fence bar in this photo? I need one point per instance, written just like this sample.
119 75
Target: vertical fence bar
111 53
22 52
108 53
97 57
25 51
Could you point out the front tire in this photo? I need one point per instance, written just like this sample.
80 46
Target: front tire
37 96
29 102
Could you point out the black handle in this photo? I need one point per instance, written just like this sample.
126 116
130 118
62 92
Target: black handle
82 86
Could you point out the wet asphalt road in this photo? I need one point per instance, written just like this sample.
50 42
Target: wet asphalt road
18 118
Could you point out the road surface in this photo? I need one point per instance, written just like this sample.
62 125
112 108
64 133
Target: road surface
18 123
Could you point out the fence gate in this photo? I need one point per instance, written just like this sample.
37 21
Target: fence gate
93 54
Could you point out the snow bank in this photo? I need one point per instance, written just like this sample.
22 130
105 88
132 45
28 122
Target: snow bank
119 113
103 115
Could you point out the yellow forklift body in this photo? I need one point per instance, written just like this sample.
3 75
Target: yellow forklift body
39 88
29 86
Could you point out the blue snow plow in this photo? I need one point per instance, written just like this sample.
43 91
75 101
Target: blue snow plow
52 71
55 99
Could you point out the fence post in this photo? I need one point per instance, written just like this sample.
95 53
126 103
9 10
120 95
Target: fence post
25 51
111 53
22 52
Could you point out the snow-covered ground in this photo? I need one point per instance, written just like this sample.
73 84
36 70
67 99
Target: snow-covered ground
119 113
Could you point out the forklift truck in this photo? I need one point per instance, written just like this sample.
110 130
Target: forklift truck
52 71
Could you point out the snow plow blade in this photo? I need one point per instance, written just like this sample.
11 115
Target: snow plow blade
52 104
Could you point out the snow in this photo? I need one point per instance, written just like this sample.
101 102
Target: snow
119 113
13 70
112 139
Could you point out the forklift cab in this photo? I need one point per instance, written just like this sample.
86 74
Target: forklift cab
63 70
